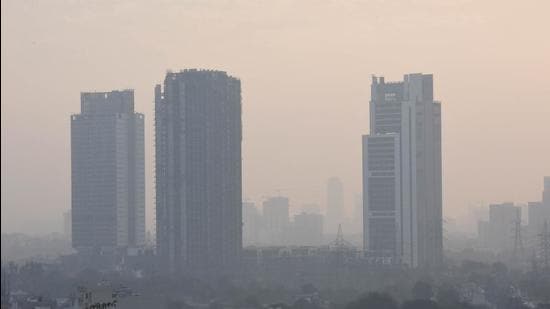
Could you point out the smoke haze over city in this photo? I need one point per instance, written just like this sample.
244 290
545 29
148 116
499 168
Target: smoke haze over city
313 154
305 67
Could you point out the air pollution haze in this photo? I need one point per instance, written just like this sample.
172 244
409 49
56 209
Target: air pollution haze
275 154
305 68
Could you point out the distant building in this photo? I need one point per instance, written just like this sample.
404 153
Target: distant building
546 197
536 216
335 205
539 212
484 233
311 208
402 182
498 233
275 220
198 134
108 178
251 224
307 229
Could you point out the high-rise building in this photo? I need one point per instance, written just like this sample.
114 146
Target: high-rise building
251 224
402 183
276 220
382 234
307 229
536 217
335 205
502 221
198 170
108 178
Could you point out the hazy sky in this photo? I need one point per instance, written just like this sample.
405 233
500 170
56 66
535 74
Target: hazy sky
305 68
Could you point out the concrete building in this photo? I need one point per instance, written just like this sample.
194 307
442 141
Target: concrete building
252 223
276 221
335 205
382 182
198 171
539 212
502 220
497 234
108 178
536 217
307 229
402 183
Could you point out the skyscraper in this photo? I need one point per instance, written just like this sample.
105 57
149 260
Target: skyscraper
402 185
276 220
108 179
335 204
198 170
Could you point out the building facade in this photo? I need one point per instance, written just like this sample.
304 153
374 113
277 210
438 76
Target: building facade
198 170
108 173
251 224
307 229
402 177
276 221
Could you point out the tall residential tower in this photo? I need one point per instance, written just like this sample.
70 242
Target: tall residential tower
198 170
108 178
402 186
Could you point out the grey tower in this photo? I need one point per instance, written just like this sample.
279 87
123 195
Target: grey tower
402 183
198 170
108 179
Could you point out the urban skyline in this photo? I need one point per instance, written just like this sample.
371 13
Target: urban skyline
294 76
290 154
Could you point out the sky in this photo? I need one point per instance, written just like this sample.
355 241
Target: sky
305 68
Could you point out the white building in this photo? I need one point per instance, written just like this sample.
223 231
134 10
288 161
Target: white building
108 177
402 185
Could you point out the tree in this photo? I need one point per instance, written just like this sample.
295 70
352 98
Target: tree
447 296
374 300
420 304
308 289
422 290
